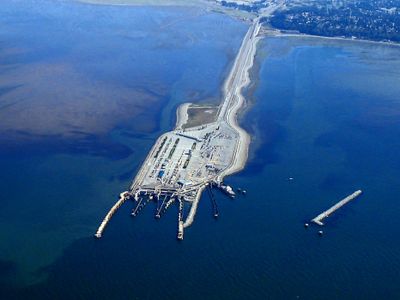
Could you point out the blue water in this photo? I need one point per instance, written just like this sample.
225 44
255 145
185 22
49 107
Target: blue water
85 90
323 112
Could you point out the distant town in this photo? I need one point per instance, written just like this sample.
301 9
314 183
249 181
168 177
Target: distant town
371 20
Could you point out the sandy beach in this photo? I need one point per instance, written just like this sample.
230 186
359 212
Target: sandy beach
182 115
231 117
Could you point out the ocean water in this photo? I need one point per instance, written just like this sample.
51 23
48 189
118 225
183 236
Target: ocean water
325 113
84 92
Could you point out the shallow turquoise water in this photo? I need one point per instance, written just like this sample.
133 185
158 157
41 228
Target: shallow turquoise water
325 113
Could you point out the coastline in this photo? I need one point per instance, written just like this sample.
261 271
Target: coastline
198 3
206 5
182 115
242 148
272 33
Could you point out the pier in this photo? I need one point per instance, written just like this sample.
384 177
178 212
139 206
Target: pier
213 202
159 209
328 212
180 220
141 203
122 198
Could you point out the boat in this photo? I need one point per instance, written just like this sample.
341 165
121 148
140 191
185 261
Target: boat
227 190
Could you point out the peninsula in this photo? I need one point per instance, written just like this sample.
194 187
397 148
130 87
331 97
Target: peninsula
183 162
201 151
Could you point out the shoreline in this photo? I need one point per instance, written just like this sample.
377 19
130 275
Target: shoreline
205 5
213 7
182 115
242 148
183 3
271 33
